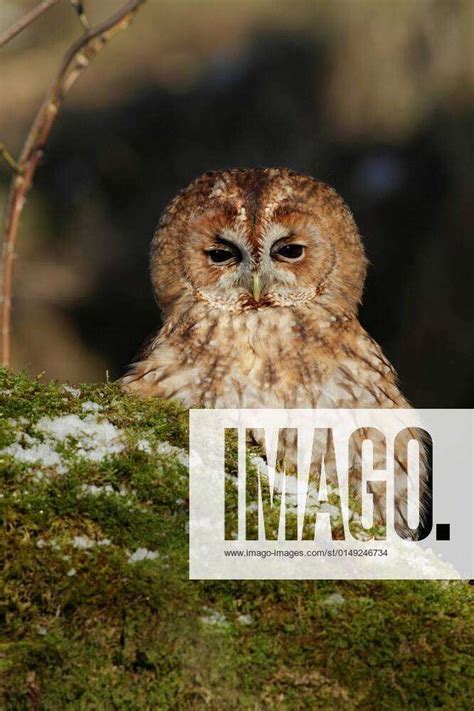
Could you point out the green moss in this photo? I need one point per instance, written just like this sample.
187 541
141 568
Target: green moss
81 627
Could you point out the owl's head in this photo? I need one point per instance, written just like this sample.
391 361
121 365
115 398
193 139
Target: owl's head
257 239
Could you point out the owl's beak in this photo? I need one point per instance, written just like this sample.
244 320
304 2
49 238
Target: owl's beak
256 286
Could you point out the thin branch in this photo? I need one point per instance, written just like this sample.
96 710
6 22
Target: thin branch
76 60
26 20
78 5
9 159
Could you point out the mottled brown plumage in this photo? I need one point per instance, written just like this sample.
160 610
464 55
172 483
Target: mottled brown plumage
274 322
300 344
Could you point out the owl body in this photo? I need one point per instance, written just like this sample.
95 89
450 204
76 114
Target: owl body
259 274
247 360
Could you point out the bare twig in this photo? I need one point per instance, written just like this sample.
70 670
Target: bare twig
78 5
26 20
77 58
9 159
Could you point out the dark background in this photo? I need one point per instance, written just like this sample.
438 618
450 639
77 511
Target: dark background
373 98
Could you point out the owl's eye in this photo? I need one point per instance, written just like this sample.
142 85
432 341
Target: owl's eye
220 256
225 253
290 252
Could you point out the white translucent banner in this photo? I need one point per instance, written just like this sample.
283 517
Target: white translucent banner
331 494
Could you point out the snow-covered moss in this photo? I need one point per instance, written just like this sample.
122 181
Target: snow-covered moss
96 609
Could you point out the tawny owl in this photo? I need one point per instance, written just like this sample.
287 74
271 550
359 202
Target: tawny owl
259 274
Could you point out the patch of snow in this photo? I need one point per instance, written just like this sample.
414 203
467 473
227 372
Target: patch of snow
107 489
97 438
142 554
93 437
310 500
90 406
260 464
75 392
30 451
165 448
13 422
213 617
83 542
422 560
94 490
144 446
168 449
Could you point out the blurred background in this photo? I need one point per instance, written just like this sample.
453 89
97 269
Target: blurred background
372 96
